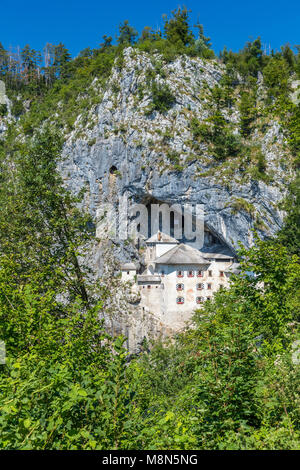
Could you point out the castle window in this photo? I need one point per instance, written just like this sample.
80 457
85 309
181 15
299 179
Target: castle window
200 286
162 274
208 286
180 300
190 273
179 273
149 287
179 286
221 273
208 298
127 272
199 274
199 300
210 273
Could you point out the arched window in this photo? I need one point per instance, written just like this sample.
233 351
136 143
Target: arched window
199 300
179 273
209 286
200 286
190 274
221 273
179 286
180 300
199 273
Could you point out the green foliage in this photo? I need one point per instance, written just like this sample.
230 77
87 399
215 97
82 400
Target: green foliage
248 61
240 204
276 75
293 127
290 233
127 34
230 383
216 134
162 98
64 384
177 30
17 107
227 383
202 44
3 110
248 112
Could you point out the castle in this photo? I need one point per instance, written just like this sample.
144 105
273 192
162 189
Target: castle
178 278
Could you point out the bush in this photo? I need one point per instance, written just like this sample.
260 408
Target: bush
219 138
162 97
3 109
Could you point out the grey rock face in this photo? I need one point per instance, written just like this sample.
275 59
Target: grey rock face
125 151
126 139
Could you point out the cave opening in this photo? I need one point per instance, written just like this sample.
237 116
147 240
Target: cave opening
113 170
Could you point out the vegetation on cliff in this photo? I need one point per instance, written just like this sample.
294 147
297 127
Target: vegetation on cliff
231 381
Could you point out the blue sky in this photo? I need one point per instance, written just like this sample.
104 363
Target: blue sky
79 24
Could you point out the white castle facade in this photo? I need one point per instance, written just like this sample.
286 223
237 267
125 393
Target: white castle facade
179 278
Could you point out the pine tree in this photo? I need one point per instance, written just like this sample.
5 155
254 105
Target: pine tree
202 44
127 34
177 30
61 59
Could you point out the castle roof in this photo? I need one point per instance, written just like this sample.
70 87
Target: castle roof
182 254
161 237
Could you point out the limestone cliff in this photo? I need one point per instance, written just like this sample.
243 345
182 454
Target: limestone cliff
157 157
142 147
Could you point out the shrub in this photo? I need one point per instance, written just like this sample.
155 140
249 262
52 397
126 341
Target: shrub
3 109
162 97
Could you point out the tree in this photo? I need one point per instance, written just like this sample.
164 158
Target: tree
61 59
177 30
289 235
253 56
106 44
229 381
162 97
276 77
289 56
248 111
127 34
31 61
64 384
49 71
41 226
202 43
148 34
3 61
